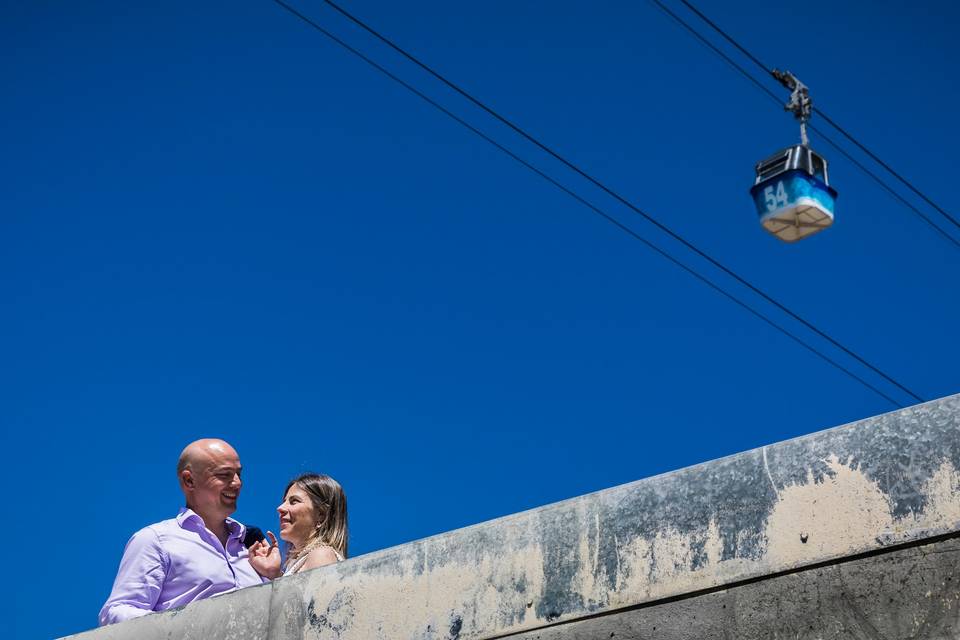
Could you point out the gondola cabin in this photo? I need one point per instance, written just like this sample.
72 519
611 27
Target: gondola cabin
792 193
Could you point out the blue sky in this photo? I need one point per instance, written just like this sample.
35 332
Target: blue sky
215 222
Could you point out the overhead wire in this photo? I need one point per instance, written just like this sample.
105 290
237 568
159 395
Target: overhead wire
749 76
769 70
593 181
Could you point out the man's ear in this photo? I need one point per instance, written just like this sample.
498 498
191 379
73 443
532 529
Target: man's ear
186 478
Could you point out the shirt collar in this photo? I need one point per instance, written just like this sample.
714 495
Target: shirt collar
235 529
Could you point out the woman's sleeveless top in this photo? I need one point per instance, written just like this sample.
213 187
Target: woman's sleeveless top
303 559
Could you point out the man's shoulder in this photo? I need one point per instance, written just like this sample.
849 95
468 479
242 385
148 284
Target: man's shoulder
157 529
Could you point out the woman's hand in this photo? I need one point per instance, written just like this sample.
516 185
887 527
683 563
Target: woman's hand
264 557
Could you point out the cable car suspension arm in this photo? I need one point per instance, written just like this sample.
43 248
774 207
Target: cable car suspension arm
800 103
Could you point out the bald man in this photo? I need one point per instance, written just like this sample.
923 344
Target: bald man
196 555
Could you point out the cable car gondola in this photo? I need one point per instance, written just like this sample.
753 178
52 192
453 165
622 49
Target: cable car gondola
792 189
793 194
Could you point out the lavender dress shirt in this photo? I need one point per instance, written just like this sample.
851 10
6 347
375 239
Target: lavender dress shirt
173 563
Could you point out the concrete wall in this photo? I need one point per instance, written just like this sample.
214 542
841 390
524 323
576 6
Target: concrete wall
607 558
911 592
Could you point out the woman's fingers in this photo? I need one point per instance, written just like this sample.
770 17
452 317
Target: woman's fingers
273 538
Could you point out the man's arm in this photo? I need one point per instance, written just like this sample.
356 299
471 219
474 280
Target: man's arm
139 581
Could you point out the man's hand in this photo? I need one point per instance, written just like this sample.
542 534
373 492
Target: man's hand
265 557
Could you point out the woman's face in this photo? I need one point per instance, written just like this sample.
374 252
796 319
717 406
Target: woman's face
298 518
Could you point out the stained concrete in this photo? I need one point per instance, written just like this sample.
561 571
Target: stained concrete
862 488
241 614
907 593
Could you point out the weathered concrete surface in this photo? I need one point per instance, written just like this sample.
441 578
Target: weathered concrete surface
907 593
241 614
864 487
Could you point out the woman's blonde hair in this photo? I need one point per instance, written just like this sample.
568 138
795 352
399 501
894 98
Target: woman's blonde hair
330 505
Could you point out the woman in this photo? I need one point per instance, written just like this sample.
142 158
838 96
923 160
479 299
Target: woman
313 522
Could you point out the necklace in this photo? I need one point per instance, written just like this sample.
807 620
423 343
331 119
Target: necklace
307 548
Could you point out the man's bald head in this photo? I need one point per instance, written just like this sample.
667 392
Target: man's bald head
199 454
209 475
